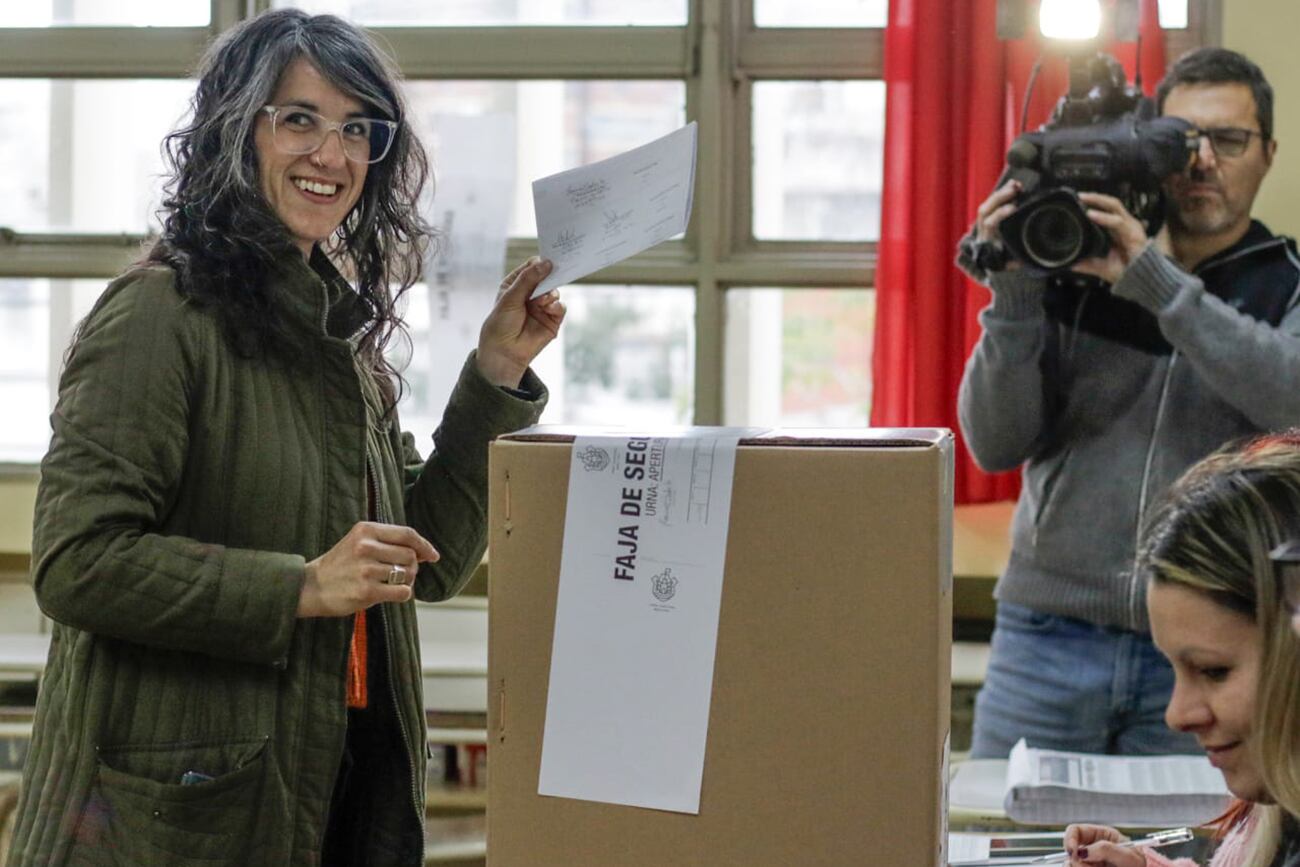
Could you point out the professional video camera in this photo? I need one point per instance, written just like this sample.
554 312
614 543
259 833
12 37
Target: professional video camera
1103 137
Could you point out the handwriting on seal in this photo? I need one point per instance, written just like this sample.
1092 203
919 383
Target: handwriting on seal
588 193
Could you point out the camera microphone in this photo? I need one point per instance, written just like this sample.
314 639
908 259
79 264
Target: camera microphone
1023 154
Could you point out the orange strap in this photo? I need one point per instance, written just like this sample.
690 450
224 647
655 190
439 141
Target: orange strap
357 663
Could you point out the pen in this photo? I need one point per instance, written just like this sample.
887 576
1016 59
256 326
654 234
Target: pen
1155 840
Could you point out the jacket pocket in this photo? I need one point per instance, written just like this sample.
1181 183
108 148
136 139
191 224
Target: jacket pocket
140 813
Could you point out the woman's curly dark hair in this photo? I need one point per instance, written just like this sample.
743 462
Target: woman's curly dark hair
219 233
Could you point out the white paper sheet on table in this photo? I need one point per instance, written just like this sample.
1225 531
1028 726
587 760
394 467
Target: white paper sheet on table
636 618
591 217
967 847
1001 849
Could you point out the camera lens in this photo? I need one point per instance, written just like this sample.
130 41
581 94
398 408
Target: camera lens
1053 235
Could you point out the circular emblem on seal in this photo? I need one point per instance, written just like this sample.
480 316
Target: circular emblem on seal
594 459
664 585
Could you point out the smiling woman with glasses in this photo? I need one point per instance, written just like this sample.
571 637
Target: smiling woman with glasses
231 527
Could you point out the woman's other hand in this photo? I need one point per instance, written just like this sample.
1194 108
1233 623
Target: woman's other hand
1094 846
362 569
518 327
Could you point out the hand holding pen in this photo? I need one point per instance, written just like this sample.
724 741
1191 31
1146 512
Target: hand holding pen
1101 846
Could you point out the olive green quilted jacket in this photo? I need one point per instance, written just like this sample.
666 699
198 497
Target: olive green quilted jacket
184 490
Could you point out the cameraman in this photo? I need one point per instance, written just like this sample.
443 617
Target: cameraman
1105 395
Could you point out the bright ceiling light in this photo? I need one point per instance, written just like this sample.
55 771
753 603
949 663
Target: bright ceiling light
1070 19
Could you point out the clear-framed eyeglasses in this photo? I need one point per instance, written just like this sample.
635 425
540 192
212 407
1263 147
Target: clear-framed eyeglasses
1287 558
1229 141
297 130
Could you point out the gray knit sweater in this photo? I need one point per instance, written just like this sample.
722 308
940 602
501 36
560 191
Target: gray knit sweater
1103 427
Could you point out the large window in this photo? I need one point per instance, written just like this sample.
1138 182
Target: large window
761 314
818 159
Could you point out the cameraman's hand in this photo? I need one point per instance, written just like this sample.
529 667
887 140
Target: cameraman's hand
1128 238
981 253
993 210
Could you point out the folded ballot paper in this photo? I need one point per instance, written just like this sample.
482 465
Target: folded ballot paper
590 217
1047 787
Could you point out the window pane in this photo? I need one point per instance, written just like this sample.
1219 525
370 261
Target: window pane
24 365
34 316
823 13
141 13
89 152
1173 13
799 357
489 12
818 159
559 124
625 356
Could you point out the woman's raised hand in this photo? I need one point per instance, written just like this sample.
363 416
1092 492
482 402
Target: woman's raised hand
518 327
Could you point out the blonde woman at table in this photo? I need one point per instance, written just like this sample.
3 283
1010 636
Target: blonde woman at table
1215 601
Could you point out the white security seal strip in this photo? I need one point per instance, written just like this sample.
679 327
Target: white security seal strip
636 620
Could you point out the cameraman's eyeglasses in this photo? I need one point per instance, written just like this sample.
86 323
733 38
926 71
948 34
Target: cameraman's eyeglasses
1287 558
1229 141
298 130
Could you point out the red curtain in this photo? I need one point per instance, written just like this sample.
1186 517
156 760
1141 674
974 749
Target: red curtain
953 104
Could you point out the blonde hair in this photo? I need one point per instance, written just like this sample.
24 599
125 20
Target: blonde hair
1213 534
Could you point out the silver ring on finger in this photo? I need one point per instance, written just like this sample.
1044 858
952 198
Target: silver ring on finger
396 575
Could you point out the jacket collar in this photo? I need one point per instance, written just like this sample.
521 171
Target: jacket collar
316 297
1259 275
1257 239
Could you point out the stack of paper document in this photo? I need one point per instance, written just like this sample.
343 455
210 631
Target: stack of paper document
1047 787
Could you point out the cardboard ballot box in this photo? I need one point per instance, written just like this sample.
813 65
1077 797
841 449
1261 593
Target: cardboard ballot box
828 720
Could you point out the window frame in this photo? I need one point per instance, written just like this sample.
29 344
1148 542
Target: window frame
719 53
